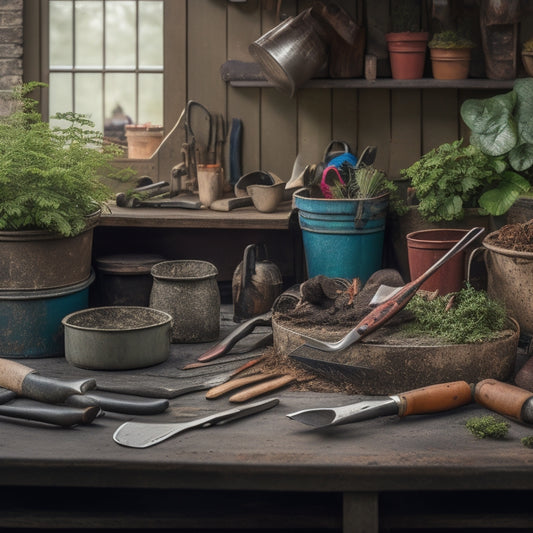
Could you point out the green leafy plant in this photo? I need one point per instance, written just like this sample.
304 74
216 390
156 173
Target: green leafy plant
488 426
453 177
527 441
472 317
50 177
502 126
450 39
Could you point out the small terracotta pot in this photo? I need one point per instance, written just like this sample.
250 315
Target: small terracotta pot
450 63
527 61
407 53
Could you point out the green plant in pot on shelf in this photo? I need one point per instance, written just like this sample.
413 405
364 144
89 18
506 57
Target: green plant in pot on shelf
450 53
51 193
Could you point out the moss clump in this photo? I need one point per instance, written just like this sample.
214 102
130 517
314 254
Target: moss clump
450 39
527 441
488 427
472 317
527 46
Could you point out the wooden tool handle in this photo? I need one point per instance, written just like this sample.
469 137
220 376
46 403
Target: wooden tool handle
435 398
503 398
28 383
12 375
261 388
233 384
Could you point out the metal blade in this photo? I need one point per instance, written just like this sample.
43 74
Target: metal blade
330 369
143 434
384 293
346 414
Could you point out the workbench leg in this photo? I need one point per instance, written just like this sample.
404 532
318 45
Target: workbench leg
360 512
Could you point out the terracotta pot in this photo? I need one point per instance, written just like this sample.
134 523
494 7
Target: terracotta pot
527 61
450 63
425 248
407 53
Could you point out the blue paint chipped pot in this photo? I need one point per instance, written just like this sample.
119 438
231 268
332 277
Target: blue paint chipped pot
31 319
342 238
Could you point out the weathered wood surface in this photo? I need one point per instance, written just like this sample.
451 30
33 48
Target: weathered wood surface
266 470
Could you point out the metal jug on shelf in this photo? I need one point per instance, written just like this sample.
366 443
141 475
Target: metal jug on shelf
256 283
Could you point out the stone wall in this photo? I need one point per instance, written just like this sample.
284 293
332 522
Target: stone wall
11 41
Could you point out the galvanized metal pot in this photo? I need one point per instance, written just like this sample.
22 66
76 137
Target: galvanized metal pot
509 275
117 337
188 291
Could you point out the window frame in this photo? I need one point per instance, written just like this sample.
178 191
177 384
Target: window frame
36 55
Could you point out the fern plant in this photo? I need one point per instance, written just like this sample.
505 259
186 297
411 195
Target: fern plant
50 177
453 177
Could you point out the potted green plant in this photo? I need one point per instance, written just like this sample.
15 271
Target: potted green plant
51 196
406 42
450 55
453 177
527 56
51 193
343 221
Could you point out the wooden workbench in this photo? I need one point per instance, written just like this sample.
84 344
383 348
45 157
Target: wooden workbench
216 236
265 472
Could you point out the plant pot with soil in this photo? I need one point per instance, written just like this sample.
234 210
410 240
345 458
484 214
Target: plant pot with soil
450 55
343 221
454 181
51 198
406 42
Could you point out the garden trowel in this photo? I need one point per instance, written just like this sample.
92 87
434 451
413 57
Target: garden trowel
392 305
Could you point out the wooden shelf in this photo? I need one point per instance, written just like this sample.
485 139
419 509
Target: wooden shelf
387 83
249 74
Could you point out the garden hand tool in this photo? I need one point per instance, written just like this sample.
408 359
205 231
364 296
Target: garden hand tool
431 399
144 434
246 327
28 383
391 306
503 398
59 415
158 391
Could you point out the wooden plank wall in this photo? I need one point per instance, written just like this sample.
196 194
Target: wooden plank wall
404 124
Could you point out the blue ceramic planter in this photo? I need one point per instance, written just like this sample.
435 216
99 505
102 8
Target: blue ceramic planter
342 238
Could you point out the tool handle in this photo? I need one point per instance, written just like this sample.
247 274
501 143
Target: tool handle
52 414
261 388
27 382
435 398
383 312
233 384
506 399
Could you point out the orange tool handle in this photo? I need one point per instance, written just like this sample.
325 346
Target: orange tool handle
235 383
435 398
503 398
261 388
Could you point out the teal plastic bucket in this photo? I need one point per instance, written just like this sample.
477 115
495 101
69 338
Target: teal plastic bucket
342 238
30 320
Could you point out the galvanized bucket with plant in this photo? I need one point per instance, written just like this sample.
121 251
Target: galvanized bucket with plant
51 194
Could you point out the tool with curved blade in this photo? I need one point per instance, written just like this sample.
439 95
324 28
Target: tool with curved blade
431 399
389 308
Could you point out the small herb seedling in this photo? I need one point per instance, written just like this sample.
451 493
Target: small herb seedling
488 426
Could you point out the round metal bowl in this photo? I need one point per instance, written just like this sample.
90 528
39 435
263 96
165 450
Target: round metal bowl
117 337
